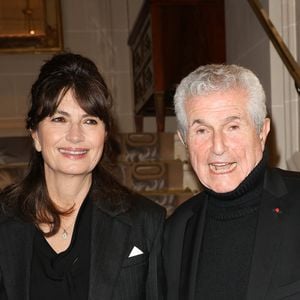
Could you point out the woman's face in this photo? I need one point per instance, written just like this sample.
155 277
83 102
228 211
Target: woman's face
71 141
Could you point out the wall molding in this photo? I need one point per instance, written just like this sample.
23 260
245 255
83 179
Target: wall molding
13 123
12 127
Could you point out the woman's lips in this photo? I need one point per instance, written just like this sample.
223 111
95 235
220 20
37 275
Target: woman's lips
71 152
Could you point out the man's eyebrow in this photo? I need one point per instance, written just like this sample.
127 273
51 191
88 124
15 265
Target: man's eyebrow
226 120
198 122
232 118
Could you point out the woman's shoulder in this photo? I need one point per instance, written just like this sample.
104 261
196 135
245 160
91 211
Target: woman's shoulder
8 210
140 211
143 205
146 217
8 220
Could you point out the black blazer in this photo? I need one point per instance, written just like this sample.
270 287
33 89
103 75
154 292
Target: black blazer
275 269
113 274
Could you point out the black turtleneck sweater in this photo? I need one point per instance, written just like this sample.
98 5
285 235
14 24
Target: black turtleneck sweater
228 239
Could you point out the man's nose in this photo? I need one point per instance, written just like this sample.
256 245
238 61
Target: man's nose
219 143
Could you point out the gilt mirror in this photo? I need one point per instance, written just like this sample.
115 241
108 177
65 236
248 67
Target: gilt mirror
30 26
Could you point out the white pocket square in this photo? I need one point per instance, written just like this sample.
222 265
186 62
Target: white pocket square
135 251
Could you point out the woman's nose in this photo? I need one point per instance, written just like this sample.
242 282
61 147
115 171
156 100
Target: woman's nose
74 134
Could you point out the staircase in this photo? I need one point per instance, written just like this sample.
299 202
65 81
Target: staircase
153 164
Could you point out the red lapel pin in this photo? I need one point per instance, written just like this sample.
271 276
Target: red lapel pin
277 210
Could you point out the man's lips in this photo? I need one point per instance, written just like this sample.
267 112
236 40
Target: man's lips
222 167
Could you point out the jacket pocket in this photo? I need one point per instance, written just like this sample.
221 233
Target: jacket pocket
135 260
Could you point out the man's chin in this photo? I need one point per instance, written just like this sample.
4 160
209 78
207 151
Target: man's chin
224 188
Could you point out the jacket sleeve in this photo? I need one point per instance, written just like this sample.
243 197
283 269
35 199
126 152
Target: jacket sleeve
3 295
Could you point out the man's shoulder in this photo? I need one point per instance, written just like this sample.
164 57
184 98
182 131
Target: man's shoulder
189 206
287 175
281 181
192 202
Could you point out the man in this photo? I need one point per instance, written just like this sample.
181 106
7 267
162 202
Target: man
240 237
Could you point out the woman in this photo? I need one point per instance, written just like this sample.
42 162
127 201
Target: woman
68 230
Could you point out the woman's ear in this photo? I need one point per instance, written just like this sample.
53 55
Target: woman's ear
36 141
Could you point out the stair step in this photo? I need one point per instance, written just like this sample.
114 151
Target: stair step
150 175
151 146
146 146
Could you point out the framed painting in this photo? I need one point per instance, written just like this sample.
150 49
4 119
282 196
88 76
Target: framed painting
30 26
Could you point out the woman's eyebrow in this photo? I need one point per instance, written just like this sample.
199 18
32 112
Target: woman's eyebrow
61 112
64 113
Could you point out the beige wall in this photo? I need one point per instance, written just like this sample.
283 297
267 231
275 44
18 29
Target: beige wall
17 72
95 28
246 41
249 45
99 29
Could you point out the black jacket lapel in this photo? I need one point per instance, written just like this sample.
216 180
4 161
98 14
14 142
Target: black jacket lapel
174 247
173 253
268 237
109 243
198 237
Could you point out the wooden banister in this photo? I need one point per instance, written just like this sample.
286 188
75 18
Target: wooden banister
283 51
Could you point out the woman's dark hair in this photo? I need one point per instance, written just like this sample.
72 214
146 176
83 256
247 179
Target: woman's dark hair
29 199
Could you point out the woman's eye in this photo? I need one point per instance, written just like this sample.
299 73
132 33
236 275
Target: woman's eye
58 119
91 122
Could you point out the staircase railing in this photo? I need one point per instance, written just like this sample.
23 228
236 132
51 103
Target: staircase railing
283 51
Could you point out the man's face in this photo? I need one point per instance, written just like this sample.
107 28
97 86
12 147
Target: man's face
222 140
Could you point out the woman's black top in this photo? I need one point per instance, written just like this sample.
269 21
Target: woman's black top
63 275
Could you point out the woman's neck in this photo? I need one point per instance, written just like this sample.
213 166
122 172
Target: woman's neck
68 191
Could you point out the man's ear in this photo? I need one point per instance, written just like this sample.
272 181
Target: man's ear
181 138
36 141
264 132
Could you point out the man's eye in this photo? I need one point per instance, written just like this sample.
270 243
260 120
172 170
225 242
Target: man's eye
58 119
201 131
234 127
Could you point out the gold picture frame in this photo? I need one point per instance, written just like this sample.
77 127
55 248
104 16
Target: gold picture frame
30 26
